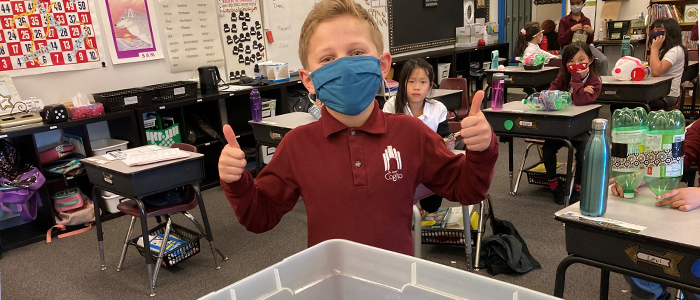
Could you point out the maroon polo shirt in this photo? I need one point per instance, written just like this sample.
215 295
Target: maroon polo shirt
565 33
358 183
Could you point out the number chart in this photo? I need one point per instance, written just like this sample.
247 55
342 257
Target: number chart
40 36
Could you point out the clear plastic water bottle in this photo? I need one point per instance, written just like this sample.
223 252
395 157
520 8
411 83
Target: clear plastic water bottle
665 136
596 169
256 105
629 127
497 82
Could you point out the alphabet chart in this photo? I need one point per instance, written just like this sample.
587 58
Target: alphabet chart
40 36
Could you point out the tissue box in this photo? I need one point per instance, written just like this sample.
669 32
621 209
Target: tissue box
463 36
82 112
276 72
477 33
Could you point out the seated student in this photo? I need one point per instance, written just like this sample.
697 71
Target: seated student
667 57
685 199
575 27
529 39
585 86
357 168
415 82
548 27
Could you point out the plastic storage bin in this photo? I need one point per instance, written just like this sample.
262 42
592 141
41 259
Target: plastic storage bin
339 269
104 146
618 29
179 254
172 91
111 201
124 99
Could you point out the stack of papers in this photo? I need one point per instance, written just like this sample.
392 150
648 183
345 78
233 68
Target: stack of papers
146 155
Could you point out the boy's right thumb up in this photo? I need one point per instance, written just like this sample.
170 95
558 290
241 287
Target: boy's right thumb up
231 136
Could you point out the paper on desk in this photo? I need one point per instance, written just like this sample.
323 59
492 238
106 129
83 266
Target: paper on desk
605 222
235 88
149 157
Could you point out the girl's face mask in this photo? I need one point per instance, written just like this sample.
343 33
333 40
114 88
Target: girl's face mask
573 68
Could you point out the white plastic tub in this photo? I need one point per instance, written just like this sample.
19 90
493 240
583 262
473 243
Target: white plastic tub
104 146
339 269
111 202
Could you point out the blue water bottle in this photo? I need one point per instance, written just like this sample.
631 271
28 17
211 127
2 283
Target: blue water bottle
596 171
494 60
255 105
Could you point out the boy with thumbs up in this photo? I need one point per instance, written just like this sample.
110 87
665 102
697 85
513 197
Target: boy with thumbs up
356 168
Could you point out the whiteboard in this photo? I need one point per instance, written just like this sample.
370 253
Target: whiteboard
284 18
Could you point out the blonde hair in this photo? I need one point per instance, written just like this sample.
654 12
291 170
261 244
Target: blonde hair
329 9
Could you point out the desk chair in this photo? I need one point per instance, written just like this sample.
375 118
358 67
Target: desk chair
458 84
131 208
680 100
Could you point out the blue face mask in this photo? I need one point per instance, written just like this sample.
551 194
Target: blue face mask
348 85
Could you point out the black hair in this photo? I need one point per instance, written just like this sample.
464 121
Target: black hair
673 37
531 30
406 70
572 1
568 54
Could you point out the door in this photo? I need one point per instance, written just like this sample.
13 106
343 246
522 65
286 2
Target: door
517 13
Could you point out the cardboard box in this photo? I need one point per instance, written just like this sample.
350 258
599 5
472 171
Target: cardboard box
276 72
463 36
269 106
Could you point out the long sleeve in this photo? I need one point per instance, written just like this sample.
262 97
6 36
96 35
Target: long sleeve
259 205
534 48
461 178
692 146
557 84
579 95
565 33
589 40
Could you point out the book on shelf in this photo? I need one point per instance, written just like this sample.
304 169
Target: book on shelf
688 42
658 11
455 219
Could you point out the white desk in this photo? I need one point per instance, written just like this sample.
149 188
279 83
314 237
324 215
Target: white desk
666 250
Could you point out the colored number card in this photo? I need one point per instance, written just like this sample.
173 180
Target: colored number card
133 30
40 36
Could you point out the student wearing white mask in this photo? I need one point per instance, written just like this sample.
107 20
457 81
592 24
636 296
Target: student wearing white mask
576 27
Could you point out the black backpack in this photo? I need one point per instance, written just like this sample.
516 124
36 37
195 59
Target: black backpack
298 100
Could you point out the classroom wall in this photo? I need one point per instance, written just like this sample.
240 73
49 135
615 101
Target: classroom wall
61 86
547 12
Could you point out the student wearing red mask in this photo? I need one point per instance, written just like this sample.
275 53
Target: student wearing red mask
579 77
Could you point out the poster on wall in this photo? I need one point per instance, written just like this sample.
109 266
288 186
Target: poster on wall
189 30
242 32
133 34
48 36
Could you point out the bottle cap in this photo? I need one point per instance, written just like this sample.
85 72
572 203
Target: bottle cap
600 124
628 195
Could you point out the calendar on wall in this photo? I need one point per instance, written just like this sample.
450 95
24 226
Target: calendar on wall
40 36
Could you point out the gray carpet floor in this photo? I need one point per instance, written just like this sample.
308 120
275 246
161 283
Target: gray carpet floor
69 268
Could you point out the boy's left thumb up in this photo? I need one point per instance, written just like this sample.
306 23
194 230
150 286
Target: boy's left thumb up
476 103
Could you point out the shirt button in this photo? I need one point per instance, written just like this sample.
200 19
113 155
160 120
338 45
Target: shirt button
353 133
358 164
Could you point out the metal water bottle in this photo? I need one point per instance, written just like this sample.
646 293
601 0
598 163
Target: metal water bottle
255 105
596 171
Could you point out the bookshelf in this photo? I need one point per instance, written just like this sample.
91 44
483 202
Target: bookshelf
679 5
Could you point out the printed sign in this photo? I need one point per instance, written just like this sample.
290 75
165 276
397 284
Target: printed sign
133 30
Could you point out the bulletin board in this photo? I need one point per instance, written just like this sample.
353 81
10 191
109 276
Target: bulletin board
413 26
48 36
240 26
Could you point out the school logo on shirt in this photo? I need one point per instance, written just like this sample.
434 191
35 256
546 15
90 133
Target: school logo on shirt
392 164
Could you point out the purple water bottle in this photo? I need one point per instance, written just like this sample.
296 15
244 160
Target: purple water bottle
256 105
497 92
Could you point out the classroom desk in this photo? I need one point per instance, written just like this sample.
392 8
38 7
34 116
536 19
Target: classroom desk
517 120
521 78
617 43
639 93
138 182
452 99
666 251
270 131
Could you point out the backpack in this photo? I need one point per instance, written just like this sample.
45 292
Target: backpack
10 167
298 100
505 251
22 194
83 215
